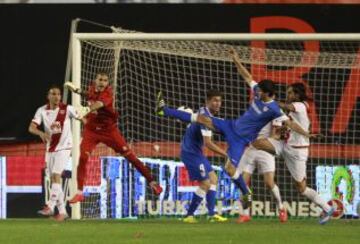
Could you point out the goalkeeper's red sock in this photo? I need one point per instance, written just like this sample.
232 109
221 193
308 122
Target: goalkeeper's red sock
81 170
140 166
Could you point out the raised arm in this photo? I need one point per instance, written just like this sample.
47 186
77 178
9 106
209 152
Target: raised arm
83 111
241 69
74 89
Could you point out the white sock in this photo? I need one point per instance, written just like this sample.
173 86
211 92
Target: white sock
54 195
200 192
212 187
276 193
61 204
314 197
236 175
246 212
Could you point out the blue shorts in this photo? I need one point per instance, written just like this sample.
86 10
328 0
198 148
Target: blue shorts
197 165
236 143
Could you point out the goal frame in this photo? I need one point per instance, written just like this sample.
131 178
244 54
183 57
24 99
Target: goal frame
76 64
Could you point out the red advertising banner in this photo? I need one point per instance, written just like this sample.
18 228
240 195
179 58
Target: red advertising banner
24 171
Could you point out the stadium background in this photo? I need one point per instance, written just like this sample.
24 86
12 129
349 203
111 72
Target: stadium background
38 35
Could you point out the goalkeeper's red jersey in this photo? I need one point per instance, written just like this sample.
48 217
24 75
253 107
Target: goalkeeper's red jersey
104 118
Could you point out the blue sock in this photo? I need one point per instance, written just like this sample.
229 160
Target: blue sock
211 201
195 201
181 115
240 183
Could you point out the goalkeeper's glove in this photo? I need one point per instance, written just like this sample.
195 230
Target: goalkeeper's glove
71 87
83 111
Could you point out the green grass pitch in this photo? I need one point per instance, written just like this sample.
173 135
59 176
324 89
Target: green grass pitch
172 231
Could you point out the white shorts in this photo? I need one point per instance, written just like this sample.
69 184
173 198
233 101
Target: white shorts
56 161
278 145
295 160
253 158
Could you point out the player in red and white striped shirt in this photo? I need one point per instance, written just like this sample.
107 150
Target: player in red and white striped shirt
101 126
295 148
56 118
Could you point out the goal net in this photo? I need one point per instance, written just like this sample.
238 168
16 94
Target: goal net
184 70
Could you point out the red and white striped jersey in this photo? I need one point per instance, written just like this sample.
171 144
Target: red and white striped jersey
57 123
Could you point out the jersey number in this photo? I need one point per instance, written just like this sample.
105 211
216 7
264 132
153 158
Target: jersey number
202 170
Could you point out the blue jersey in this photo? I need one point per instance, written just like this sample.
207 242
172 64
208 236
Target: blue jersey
256 117
192 141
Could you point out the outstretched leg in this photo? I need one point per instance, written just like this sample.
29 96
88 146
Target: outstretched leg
313 196
116 141
163 110
295 160
222 126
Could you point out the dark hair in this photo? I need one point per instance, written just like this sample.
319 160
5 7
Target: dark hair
213 93
54 86
267 86
102 72
300 90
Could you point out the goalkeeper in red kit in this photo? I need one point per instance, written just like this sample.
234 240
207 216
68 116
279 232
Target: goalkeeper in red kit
100 119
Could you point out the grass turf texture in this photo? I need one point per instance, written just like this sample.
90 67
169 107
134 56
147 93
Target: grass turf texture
172 231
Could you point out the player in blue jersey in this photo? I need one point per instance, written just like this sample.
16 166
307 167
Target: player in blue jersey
240 132
198 166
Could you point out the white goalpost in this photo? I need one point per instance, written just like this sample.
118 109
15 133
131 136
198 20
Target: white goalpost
184 66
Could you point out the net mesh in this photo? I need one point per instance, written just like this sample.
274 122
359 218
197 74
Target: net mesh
184 71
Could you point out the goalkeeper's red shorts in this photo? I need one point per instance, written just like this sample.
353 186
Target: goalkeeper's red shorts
111 137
